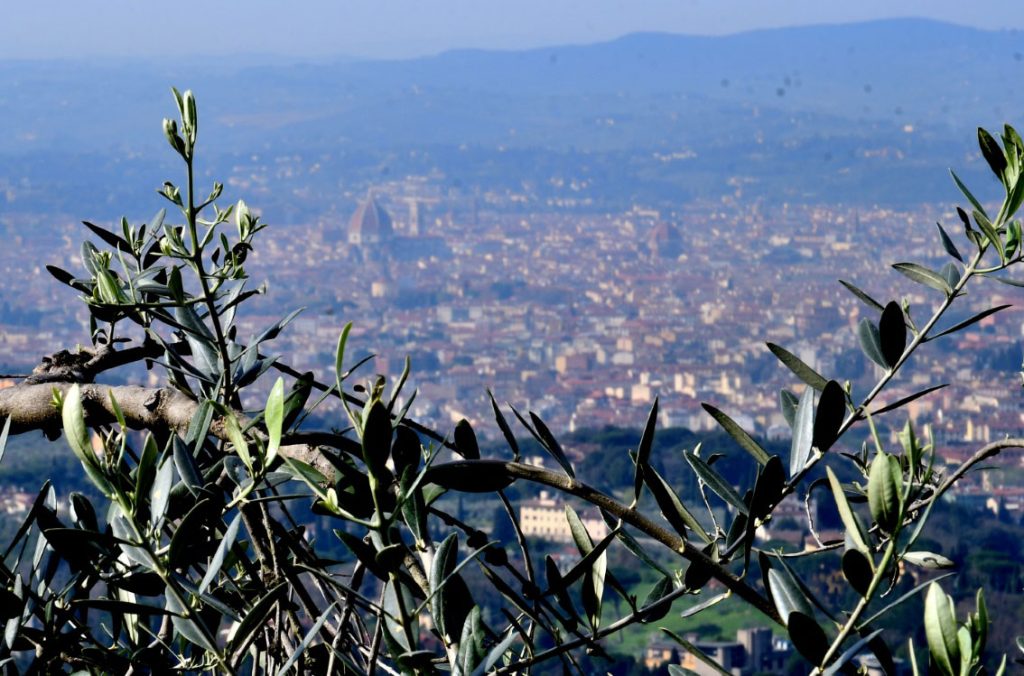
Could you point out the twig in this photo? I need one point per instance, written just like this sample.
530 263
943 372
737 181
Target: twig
571 486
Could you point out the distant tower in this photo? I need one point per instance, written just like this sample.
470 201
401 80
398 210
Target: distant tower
370 224
415 218
757 642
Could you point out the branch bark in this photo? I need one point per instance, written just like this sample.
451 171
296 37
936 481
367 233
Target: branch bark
84 365
30 407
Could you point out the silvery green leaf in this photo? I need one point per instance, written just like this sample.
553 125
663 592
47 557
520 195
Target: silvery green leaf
452 603
496 653
788 597
654 607
807 637
14 623
471 644
787 404
967 193
991 233
200 340
593 579
906 400
339 354
829 416
884 491
992 153
940 628
548 441
862 295
82 512
714 666
274 418
803 433
854 529
74 425
971 320
710 476
928 560
771 479
506 431
136 551
849 653
145 472
923 275
392 611
948 245
183 540
186 464
871 342
222 550
643 450
254 619
77 434
951 273
798 367
672 508
160 493
307 639
557 586
630 543
589 558
238 441
741 437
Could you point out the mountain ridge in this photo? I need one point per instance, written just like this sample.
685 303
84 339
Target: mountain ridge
864 103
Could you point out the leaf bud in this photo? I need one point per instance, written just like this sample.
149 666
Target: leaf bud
171 192
243 219
188 113
171 132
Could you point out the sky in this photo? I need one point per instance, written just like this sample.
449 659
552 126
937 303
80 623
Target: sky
317 29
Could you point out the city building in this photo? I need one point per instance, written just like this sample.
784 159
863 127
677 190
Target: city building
544 518
755 651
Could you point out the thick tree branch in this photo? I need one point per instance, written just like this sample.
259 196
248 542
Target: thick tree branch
30 407
84 365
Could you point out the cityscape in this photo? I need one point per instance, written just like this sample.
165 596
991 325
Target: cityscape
585 319
577 247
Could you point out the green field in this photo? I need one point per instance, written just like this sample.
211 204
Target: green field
717 623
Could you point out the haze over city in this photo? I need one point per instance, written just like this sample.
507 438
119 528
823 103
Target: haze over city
584 210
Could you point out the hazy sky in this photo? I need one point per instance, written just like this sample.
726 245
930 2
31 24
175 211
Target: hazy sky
400 28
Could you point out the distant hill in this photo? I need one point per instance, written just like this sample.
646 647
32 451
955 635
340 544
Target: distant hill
787 103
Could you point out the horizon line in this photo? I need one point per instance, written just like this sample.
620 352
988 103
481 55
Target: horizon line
253 58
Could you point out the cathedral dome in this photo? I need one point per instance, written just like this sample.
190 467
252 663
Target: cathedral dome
665 240
370 224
